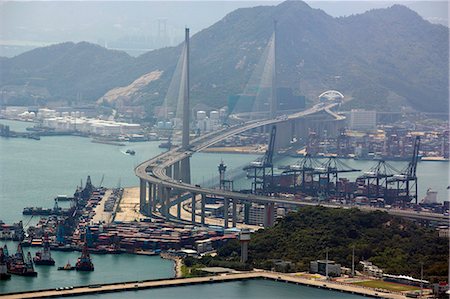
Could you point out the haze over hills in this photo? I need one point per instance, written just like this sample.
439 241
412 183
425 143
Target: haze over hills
383 59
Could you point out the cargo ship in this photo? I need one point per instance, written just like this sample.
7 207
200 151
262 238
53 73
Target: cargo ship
84 262
37 211
18 265
44 257
4 275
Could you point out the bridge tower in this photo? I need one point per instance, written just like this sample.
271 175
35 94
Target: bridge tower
273 98
185 163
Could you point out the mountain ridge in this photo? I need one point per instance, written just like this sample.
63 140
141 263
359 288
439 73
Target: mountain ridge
382 57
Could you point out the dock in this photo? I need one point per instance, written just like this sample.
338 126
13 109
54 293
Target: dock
173 282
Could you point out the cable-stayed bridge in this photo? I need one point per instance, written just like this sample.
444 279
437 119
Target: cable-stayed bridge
165 179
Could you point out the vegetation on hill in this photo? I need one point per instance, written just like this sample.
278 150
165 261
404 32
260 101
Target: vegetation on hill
396 245
382 59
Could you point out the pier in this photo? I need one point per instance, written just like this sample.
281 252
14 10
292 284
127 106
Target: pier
173 282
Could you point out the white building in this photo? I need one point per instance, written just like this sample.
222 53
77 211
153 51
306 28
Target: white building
207 124
91 126
363 119
46 113
13 111
371 270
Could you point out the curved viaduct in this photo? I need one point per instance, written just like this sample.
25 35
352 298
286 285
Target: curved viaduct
163 179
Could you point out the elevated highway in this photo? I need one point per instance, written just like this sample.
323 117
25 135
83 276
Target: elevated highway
163 176
174 282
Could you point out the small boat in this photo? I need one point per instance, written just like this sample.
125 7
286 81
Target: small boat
130 152
67 267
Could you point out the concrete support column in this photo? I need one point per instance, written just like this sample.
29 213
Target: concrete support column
161 199
193 208
202 210
234 212
247 207
185 170
226 203
142 195
154 197
169 171
176 171
167 202
159 194
149 206
179 209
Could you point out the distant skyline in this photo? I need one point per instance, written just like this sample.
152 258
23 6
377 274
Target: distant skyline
137 27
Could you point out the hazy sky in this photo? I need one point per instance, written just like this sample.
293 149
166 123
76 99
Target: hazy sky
137 26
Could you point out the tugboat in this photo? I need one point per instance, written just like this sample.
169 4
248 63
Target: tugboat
130 152
44 256
84 262
18 265
4 275
67 267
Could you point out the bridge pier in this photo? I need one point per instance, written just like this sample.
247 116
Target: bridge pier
154 197
162 200
247 207
185 170
284 135
193 208
202 210
226 203
234 213
142 195
176 171
159 195
149 206
169 171
167 192
179 207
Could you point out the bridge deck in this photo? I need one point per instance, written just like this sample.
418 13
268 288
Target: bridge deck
159 163
148 284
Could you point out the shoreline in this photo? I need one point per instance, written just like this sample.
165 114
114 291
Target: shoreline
178 263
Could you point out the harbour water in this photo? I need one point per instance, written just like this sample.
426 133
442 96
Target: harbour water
108 268
33 172
250 289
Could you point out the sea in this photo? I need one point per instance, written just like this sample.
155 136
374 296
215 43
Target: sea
34 172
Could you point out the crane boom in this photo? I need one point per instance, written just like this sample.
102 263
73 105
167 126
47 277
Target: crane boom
413 164
269 153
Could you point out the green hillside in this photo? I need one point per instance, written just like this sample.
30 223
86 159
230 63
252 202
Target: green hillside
392 243
383 59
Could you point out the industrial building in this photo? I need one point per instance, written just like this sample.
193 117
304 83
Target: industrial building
363 119
91 126
320 267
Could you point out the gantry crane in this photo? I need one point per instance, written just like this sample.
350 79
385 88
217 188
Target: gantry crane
261 170
406 181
